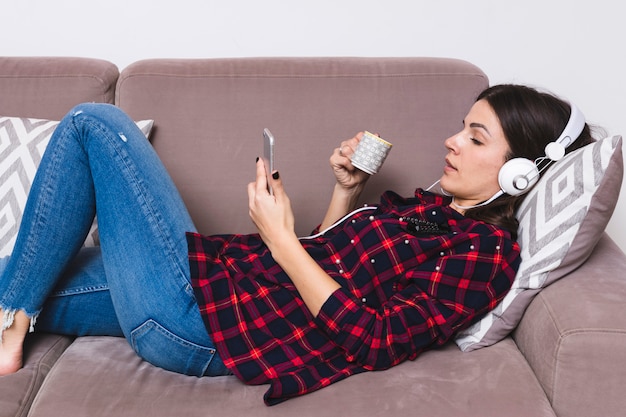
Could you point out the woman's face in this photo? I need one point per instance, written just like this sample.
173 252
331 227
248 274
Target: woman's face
475 155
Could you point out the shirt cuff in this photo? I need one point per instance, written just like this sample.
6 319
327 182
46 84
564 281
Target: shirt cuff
340 313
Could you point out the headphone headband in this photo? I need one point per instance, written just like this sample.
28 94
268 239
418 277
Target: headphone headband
573 128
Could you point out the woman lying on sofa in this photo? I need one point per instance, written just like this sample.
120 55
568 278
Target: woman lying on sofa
376 288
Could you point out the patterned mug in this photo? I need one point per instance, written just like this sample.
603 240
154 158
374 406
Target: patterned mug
371 153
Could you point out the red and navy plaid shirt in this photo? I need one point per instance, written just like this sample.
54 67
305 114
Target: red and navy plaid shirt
400 294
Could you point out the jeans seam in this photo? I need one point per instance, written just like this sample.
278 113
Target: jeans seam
76 291
152 324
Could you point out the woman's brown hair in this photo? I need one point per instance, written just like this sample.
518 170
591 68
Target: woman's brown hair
530 119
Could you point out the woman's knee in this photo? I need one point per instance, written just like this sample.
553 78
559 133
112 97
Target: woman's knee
106 114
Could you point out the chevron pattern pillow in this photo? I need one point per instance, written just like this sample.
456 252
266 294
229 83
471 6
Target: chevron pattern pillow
561 220
22 144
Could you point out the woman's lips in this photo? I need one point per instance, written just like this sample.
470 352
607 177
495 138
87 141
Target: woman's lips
449 166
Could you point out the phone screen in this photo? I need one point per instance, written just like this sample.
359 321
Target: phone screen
268 154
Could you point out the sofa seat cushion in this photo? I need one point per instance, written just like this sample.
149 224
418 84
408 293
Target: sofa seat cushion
100 376
18 390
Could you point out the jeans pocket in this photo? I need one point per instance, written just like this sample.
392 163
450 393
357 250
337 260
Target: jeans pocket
162 348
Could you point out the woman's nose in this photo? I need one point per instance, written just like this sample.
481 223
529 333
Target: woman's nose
451 143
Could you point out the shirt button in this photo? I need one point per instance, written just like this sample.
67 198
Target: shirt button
406 242
352 241
371 218
341 271
353 221
364 300
437 268
373 261
338 261
434 213
498 247
471 247
441 253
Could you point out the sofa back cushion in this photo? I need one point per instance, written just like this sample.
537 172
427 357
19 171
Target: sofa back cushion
210 114
48 87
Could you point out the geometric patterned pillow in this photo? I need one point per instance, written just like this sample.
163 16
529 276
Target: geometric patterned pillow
561 220
22 144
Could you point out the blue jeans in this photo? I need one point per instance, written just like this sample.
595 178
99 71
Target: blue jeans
136 284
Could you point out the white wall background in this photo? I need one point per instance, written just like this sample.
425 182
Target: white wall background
574 48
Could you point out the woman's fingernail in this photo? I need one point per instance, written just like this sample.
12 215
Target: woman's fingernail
275 175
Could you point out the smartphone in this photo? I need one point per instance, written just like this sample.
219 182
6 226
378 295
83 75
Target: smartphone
268 154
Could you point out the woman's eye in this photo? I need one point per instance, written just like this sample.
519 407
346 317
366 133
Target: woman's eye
476 141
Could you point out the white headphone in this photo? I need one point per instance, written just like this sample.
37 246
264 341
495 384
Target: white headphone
518 175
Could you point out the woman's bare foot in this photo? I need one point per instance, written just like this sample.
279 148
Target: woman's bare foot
12 344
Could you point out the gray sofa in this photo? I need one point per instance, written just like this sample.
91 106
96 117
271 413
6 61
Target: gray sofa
567 357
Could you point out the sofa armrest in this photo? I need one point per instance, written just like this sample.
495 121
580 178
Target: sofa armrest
48 87
573 335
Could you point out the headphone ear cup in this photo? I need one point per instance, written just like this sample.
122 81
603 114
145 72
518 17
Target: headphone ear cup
518 176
